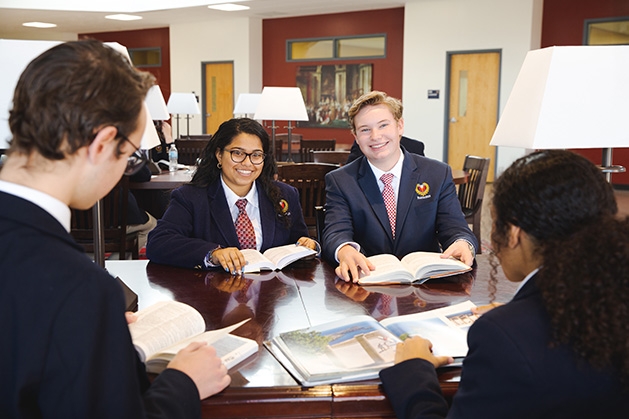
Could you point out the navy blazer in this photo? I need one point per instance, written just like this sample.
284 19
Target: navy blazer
510 372
66 351
198 220
429 216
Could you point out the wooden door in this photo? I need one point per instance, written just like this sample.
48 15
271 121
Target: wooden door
473 107
218 101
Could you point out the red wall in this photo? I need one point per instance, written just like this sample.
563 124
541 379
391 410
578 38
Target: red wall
387 72
562 24
145 38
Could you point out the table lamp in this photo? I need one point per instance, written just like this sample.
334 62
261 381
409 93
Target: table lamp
570 97
247 104
284 104
183 103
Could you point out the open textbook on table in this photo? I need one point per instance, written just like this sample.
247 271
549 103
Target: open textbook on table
414 268
358 347
166 327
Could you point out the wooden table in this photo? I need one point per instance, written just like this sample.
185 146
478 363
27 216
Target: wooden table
153 196
302 295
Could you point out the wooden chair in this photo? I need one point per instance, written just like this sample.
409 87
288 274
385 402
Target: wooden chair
309 179
281 142
114 211
471 193
190 150
308 146
334 157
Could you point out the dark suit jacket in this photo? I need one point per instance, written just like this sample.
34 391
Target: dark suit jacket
66 351
198 220
412 146
510 372
355 210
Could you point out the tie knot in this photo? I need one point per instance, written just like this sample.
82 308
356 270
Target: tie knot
241 204
387 178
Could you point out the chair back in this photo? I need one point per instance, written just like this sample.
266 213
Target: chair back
281 145
308 146
190 149
471 193
334 157
309 179
114 209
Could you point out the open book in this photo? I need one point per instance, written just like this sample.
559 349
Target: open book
414 268
275 258
358 347
166 327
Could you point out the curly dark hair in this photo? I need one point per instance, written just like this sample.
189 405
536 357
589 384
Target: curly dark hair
70 91
568 209
208 171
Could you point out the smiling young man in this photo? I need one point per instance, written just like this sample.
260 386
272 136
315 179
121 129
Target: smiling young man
421 213
77 120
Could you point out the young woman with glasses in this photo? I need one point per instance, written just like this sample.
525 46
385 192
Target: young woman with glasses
198 228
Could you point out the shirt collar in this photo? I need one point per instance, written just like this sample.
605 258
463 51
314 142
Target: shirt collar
56 208
395 170
251 197
526 279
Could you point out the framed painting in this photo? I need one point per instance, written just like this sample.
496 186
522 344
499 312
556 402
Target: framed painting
329 91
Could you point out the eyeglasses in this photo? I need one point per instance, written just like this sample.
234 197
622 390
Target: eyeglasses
238 156
136 160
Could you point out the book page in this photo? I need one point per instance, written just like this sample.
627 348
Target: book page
445 327
427 265
282 256
163 324
256 261
337 351
389 270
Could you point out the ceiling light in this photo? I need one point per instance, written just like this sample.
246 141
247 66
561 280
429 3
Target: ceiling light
123 17
39 25
229 7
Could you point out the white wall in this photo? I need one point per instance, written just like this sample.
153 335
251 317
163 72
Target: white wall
432 28
238 40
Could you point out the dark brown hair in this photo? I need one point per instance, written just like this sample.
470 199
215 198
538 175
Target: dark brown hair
71 90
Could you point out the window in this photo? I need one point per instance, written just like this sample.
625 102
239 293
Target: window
368 46
146 57
614 31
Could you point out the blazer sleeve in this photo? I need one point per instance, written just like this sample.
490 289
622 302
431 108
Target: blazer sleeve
298 227
338 217
451 224
172 241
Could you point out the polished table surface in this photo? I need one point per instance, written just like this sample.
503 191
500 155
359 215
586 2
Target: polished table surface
302 295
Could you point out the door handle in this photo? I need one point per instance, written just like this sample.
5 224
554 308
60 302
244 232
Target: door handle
453 120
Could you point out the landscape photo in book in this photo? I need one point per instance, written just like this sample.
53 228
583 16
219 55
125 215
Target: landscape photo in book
350 347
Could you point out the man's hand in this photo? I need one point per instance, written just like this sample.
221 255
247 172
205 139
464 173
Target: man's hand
351 263
460 250
199 361
417 347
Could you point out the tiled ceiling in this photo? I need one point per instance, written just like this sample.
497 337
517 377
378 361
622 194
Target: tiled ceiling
68 22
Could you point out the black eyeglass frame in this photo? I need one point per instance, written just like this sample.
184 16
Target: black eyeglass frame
136 160
237 150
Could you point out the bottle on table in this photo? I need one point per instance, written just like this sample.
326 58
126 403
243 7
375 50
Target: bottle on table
173 156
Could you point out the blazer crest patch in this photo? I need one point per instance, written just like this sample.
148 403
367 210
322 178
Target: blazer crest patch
422 189
284 206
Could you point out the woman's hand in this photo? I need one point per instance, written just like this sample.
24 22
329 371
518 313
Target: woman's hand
230 258
417 347
307 242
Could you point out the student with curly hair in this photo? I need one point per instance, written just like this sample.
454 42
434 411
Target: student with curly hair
560 347
198 229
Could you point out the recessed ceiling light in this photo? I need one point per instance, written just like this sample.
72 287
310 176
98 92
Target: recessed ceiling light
39 25
229 7
123 17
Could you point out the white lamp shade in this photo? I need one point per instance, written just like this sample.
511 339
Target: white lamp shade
568 97
281 104
156 105
183 103
247 103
